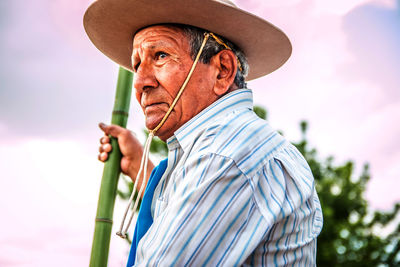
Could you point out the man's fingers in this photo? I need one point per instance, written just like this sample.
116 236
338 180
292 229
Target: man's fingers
105 140
103 156
105 148
113 130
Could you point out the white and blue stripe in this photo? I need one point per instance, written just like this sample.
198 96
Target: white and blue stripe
235 192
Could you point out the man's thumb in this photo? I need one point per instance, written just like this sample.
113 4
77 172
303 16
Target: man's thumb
113 130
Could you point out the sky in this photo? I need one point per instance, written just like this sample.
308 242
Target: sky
55 86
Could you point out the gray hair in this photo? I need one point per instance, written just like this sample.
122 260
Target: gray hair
212 47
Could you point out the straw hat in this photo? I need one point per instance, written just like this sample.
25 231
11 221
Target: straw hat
111 25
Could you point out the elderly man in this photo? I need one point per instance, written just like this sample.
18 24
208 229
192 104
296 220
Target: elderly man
232 191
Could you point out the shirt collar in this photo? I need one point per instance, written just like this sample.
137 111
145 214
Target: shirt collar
238 99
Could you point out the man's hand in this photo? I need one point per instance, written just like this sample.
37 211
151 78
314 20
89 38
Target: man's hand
130 147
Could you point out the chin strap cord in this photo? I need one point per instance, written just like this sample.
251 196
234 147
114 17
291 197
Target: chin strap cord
142 169
145 158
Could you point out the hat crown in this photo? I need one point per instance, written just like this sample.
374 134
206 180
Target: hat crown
111 24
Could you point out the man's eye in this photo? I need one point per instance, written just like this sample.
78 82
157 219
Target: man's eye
161 55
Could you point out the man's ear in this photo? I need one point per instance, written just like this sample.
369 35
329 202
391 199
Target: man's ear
226 64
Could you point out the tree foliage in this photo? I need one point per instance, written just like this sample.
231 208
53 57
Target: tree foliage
352 234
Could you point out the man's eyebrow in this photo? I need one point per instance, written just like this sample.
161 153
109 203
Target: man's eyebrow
161 44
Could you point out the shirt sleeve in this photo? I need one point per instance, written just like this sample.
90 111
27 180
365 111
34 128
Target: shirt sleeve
285 195
283 185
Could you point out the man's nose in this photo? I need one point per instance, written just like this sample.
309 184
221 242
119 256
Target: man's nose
144 77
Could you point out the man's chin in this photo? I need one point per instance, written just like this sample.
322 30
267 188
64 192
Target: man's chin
150 125
153 120
166 130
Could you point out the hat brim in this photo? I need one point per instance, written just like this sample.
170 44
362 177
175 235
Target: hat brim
111 25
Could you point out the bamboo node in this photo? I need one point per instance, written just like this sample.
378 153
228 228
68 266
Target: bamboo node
104 220
120 112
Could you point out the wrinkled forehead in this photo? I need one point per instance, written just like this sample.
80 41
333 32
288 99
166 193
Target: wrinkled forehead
154 32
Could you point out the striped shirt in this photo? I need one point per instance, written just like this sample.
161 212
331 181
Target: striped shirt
235 192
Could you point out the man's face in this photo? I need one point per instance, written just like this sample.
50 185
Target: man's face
161 60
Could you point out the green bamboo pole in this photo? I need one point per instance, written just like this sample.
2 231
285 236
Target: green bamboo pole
112 169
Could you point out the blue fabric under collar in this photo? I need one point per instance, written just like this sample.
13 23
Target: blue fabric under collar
145 220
